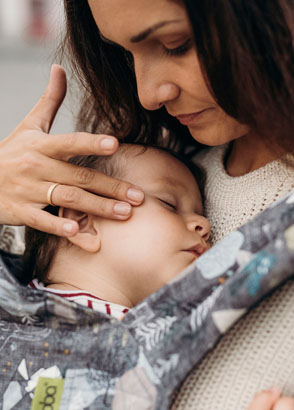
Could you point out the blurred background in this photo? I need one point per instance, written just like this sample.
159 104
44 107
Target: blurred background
30 31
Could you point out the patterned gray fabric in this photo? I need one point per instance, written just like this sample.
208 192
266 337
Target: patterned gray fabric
12 239
138 362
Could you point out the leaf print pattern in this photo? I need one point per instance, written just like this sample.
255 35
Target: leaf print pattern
152 333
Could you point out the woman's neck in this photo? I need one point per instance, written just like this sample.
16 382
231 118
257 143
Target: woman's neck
249 153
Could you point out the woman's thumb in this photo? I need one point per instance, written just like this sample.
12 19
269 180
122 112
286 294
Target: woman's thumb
43 114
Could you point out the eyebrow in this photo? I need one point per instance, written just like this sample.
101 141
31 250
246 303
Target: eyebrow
144 34
170 181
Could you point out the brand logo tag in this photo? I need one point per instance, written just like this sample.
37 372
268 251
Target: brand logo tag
48 393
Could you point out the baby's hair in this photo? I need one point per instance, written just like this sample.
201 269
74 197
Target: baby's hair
40 247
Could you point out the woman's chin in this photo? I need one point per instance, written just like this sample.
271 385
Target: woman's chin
218 132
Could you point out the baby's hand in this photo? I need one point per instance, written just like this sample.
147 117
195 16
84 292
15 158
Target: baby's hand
271 400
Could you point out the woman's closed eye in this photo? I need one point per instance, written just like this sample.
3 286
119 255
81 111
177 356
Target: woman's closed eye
169 204
180 50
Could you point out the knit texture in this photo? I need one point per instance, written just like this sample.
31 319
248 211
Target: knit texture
230 202
258 352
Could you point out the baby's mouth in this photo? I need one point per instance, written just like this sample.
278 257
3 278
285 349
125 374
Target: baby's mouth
197 250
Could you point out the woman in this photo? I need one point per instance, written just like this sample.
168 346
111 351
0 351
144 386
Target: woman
220 72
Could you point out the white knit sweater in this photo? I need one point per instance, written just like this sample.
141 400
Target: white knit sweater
258 352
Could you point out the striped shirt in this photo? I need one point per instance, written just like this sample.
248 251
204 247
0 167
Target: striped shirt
84 298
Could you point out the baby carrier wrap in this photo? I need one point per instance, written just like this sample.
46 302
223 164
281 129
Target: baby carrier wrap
138 362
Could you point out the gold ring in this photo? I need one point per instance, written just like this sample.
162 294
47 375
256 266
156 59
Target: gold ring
49 194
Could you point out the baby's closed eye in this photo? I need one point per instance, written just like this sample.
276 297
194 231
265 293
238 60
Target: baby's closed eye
169 203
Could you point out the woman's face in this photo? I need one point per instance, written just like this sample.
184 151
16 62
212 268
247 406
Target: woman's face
159 36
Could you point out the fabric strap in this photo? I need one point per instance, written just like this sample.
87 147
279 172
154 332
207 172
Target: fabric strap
139 361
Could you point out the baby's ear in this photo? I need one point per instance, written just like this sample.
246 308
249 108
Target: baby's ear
88 238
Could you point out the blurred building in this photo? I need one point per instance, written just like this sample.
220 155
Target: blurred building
30 30
30 20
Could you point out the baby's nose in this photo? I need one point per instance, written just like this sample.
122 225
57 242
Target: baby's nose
201 225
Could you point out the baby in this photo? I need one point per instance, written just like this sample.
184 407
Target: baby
110 265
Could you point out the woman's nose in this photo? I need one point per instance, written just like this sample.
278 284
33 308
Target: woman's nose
153 97
154 89
201 225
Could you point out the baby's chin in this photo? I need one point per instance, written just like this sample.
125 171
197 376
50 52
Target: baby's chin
173 271
183 267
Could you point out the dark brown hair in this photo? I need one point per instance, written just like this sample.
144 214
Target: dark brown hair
247 56
41 247
246 49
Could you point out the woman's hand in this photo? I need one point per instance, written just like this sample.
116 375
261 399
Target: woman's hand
271 400
31 161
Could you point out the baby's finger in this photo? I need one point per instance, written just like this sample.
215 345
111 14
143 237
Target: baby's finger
83 201
264 400
79 143
285 403
43 221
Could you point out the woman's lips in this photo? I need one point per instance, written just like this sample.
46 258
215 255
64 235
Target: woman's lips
187 119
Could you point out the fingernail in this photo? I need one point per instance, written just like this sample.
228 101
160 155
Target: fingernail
68 228
122 208
135 194
107 143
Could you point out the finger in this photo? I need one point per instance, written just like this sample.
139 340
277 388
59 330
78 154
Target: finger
79 143
43 114
83 201
45 222
94 181
285 403
264 400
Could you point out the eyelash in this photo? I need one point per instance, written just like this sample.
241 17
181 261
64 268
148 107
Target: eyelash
178 51
168 204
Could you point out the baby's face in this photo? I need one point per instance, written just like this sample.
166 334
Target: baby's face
165 234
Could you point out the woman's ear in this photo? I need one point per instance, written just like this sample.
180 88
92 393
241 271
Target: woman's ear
88 238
